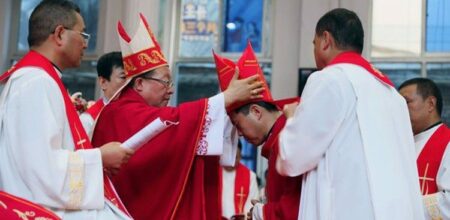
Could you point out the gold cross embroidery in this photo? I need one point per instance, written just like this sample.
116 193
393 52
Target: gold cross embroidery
424 180
81 141
3 205
114 201
241 200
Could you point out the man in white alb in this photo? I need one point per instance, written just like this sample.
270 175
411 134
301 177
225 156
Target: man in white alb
239 188
432 138
350 135
45 155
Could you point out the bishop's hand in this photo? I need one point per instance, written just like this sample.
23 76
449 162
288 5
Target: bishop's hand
243 89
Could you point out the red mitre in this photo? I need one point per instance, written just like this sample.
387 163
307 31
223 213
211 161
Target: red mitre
248 66
141 53
225 70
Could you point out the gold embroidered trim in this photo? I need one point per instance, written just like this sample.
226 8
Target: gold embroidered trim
128 64
19 213
24 215
225 69
76 183
2 204
431 205
147 59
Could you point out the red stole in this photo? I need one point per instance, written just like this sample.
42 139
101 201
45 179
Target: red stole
164 179
357 59
80 138
12 207
241 188
95 109
430 158
283 193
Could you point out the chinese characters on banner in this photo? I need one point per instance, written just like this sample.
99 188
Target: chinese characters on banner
199 27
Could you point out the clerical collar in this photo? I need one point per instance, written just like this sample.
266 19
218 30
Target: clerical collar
432 126
56 67
268 134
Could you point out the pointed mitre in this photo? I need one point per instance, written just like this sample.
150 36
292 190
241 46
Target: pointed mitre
140 53
225 70
248 66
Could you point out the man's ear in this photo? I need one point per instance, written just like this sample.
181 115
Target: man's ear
102 82
326 40
431 103
256 111
138 84
58 35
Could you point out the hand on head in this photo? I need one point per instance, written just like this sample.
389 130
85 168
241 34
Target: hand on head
243 89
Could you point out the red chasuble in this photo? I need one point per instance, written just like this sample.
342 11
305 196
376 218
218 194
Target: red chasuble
283 193
430 159
80 138
164 179
95 109
12 207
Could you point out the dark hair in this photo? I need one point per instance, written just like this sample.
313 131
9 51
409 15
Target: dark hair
47 16
107 63
245 109
426 88
143 75
345 27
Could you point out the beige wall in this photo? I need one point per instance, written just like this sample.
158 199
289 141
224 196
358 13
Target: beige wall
127 12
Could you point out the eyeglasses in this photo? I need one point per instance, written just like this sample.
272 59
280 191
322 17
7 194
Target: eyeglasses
167 84
85 36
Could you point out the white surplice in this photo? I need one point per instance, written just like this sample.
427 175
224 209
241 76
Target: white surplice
228 192
352 138
221 136
88 123
37 157
437 205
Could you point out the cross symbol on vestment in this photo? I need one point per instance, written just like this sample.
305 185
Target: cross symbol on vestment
424 180
81 141
114 201
241 199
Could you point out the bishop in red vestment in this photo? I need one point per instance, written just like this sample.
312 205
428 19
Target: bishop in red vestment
169 177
